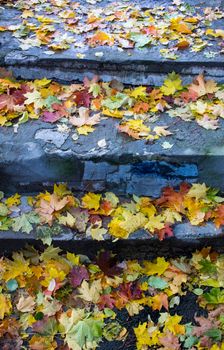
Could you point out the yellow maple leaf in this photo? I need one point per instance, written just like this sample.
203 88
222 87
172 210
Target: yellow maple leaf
16 267
171 216
172 84
156 268
198 191
178 25
67 220
5 306
155 223
125 222
195 211
85 130
3 120
61 190
145 337
74 259
113 113
91 201
90 291
97 233
173 325
13 200
42 82
140 91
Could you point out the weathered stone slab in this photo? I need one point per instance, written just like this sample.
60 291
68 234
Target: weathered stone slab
36 154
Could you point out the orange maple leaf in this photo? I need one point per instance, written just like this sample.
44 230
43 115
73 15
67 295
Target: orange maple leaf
46 210
202 87
101 38
159 300
219 215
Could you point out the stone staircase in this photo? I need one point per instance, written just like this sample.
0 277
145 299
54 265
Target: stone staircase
37 155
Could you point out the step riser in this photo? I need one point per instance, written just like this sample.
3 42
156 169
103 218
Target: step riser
130 73
137 249
141 178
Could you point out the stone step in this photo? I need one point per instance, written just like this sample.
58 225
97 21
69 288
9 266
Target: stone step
160 230
140 245
185 241
38 154
130 65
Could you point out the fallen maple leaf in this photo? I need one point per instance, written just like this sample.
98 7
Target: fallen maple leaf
208 123
6 306
77 275
101 38
202 87
84 118
47 209
158 301
26 304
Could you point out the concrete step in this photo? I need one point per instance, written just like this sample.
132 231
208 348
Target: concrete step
143 65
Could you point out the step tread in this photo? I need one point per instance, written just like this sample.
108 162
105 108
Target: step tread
189 140
65 65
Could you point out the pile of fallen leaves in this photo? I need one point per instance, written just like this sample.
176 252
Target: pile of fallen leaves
54 300
101 215
83 105
63 24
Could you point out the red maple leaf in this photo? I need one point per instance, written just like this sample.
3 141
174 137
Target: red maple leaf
50 117
108 264
166 231
78 274
8 102
106 301
106 207
173 199
83 98
188 96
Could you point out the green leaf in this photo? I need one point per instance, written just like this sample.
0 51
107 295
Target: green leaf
12 285
112 330
24 222
198 291
190 341
50 100
157 282
215 296
5 223
117 101
88 331
3 209
45 233
24 118
207 266
215 334
140 40
95 89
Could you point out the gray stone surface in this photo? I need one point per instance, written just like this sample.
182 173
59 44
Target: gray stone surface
123 165
133 66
